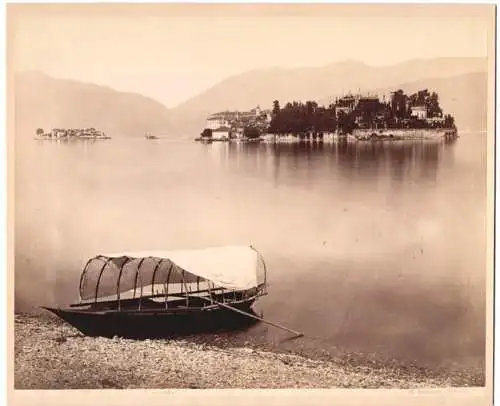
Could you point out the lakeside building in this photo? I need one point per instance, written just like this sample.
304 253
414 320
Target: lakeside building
419 112
349 103
232 123
221 133
370 111
216 121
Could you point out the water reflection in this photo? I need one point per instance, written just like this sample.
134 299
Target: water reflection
399 161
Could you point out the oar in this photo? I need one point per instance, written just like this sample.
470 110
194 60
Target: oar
297 333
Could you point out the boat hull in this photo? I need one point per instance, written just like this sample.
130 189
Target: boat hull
156 323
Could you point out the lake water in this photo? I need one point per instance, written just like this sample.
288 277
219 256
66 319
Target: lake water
373 247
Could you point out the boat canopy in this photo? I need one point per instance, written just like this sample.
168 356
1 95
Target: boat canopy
232 268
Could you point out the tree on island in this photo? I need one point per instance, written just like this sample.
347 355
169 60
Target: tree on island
302 119
345 123
207 133
398 105
39 131
449 121
276 107
434 110
251 132
429 100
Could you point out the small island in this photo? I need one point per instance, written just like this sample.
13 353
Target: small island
360 117
71 133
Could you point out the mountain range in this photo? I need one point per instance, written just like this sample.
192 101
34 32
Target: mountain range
47 102
262 86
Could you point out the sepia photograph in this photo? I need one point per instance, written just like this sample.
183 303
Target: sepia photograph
251 196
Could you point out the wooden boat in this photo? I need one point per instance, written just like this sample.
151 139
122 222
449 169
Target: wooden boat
158 294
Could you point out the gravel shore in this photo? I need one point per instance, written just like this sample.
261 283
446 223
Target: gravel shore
50 354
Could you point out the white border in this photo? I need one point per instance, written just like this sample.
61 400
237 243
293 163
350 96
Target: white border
350 397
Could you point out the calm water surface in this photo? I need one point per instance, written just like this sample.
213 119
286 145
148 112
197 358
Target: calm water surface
374 247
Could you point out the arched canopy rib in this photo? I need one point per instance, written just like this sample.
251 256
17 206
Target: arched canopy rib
234 268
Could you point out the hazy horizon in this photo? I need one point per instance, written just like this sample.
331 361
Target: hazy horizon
174 52
27 71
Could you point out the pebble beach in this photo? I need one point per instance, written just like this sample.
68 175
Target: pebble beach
50 354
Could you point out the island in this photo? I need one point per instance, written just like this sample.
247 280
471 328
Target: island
362 117
71 133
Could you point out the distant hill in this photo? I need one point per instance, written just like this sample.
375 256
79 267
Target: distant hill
43 101
262 86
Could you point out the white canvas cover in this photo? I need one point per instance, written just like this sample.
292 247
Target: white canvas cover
229 267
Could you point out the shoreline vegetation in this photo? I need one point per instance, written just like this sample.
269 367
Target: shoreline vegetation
50 354
356 116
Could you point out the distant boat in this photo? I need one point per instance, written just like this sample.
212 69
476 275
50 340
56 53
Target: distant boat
150 136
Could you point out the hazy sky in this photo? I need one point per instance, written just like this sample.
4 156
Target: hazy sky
171 53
